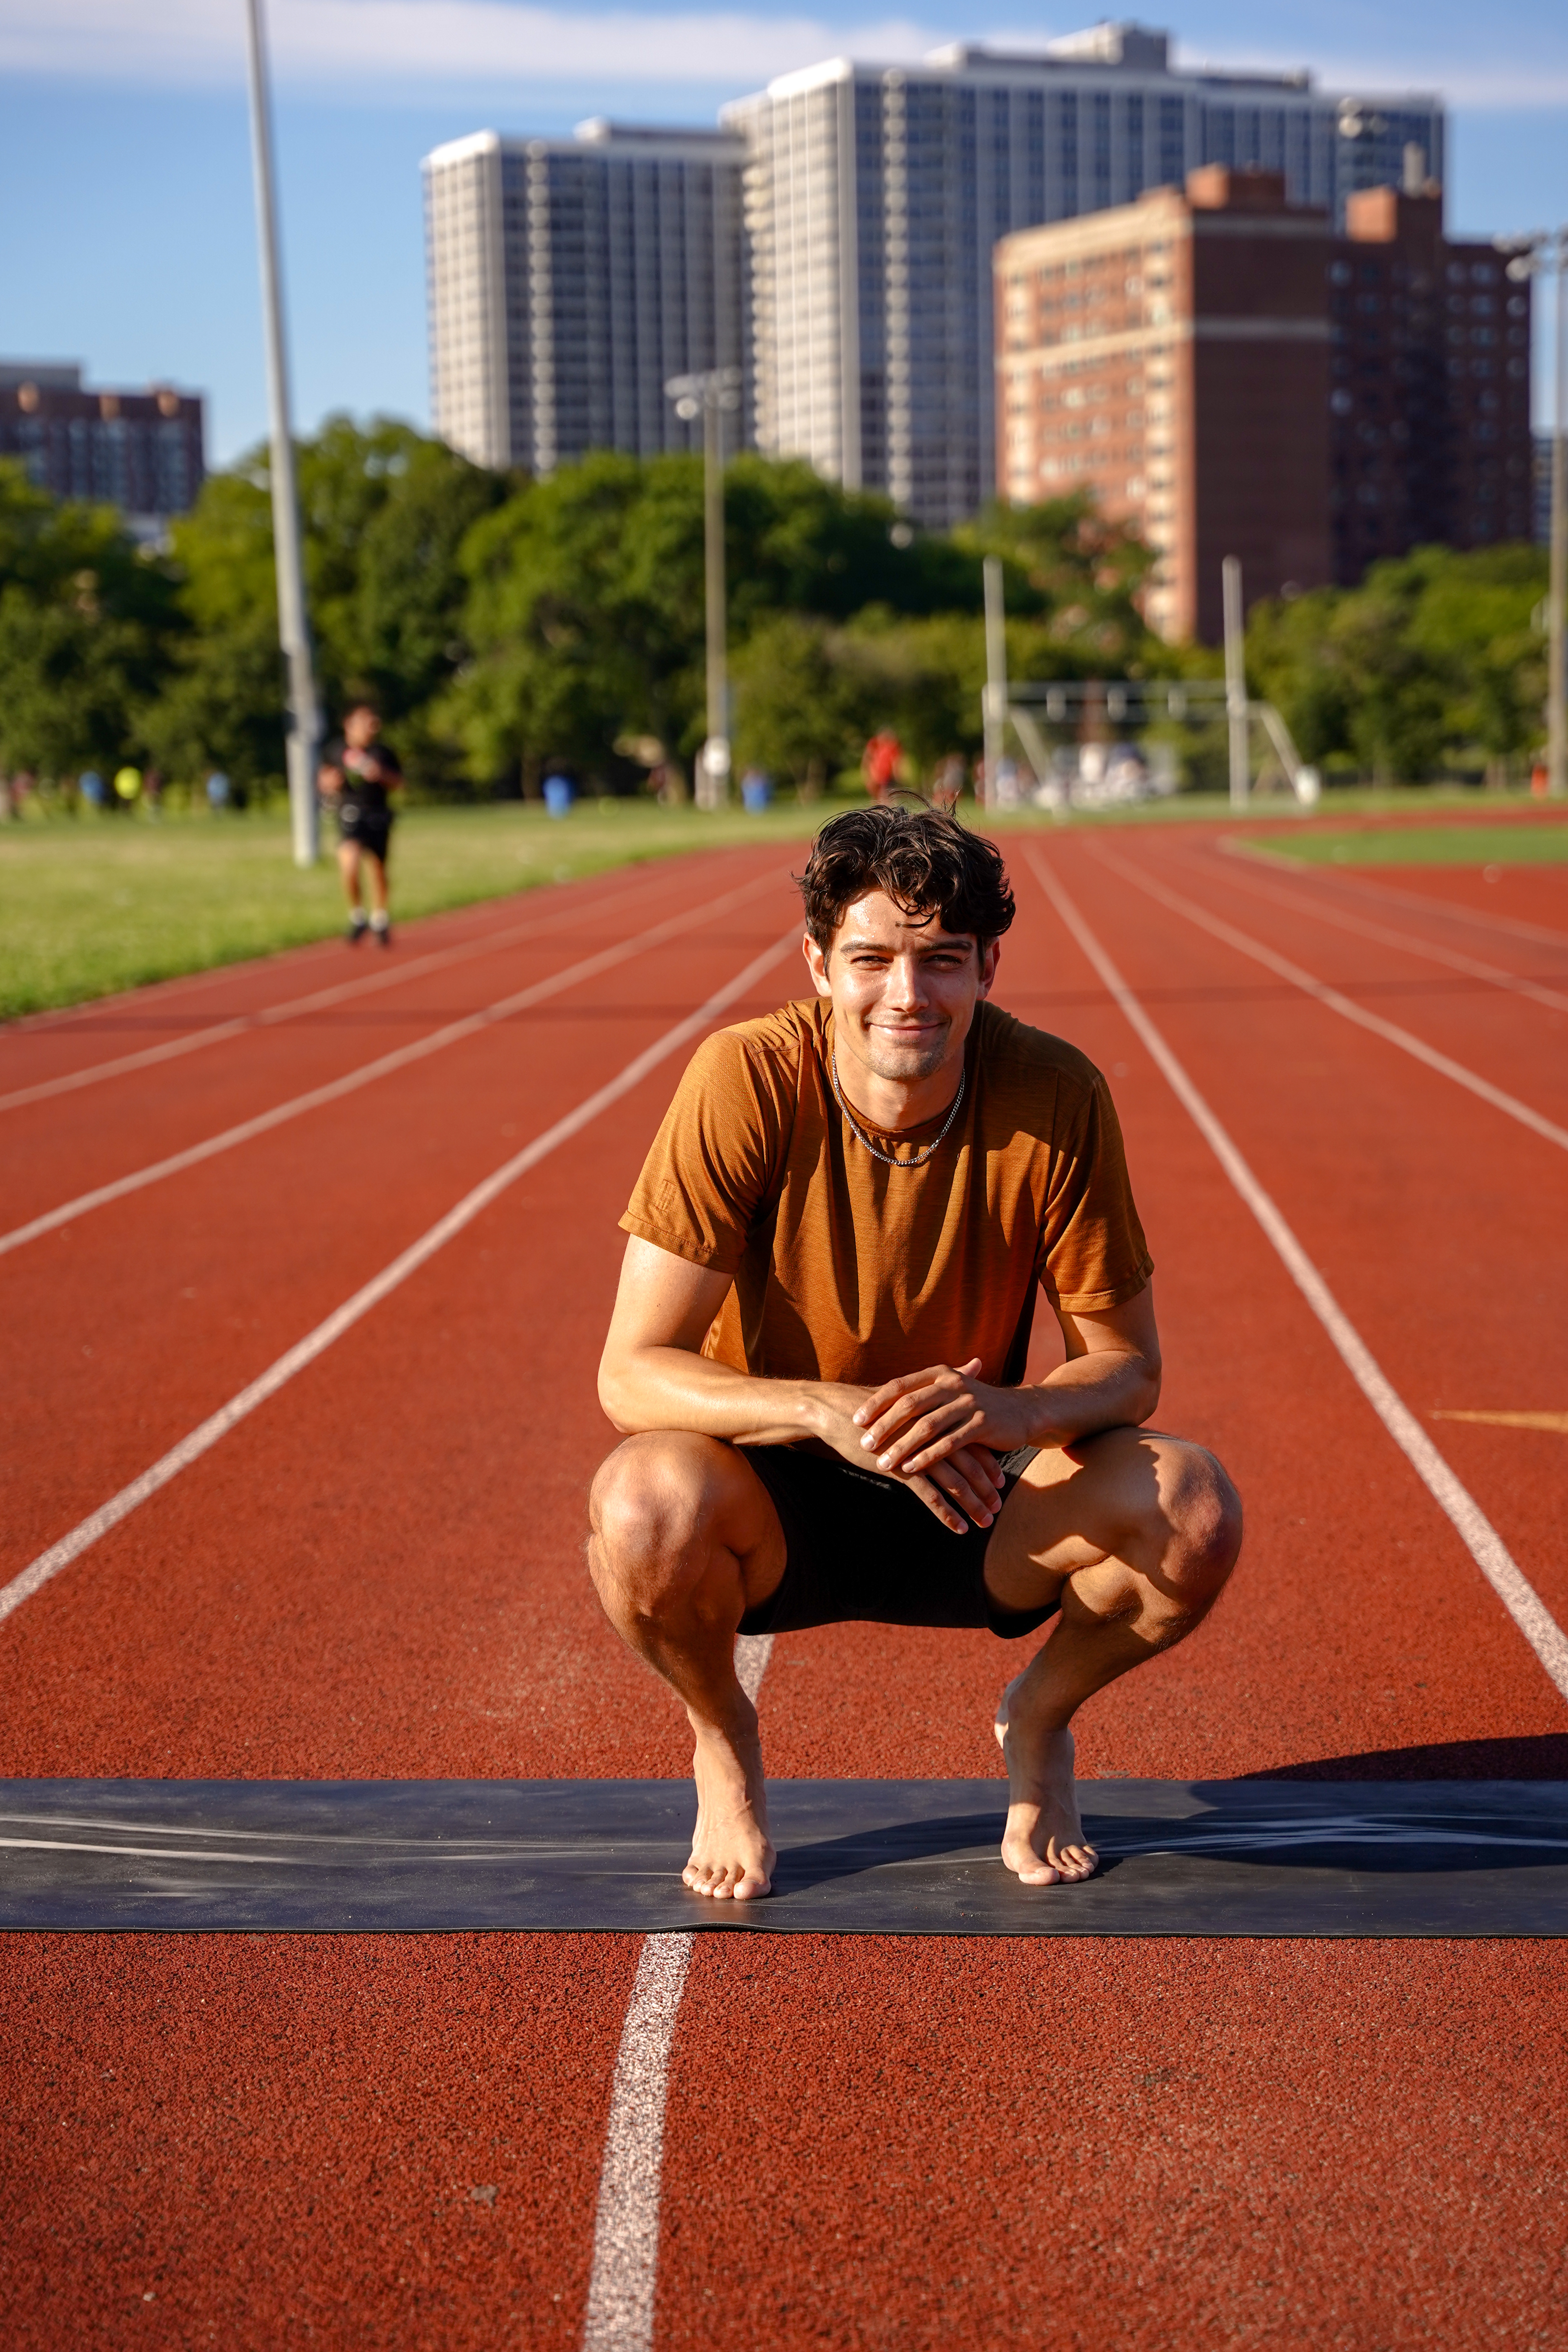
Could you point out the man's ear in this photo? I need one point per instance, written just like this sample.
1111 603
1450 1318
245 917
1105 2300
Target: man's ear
817 964
990 957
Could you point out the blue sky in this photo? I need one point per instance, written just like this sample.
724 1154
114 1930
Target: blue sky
125 169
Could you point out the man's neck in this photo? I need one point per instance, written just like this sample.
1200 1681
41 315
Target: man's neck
893 1105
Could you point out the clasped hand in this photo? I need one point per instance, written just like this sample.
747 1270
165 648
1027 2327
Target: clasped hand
938 1432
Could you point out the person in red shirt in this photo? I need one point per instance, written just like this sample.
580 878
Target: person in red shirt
879 763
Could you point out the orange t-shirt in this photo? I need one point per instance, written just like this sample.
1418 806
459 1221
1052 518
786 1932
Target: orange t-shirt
846 1269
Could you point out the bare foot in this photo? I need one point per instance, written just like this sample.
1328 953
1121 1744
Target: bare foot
732 1856
1044 1841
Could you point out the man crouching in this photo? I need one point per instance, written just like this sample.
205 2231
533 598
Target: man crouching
819 1344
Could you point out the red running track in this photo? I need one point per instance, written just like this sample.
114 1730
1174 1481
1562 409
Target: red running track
870 2142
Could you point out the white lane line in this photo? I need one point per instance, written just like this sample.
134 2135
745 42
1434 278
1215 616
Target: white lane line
400 1058
202 1439
1235 845
367 984
1486 1547
1316 911
624 2278
1346 1006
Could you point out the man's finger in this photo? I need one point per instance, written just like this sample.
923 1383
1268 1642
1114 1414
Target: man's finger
954 1420
880 1399
906 1414
957 1488
936 1503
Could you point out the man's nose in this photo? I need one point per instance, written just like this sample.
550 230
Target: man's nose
906 982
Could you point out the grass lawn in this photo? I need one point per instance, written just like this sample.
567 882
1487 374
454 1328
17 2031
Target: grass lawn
90 905
1541 844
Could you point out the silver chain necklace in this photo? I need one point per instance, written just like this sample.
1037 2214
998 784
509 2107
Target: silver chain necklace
887 1158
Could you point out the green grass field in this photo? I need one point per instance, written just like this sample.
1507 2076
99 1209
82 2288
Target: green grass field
1437 844
88 906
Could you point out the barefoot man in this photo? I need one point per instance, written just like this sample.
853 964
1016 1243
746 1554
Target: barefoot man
819 1344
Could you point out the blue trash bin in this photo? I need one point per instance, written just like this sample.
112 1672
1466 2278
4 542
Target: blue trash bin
756 792
558 794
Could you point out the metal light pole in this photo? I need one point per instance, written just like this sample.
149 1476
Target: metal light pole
993 710
293 628
1234 678
714 395
1534 256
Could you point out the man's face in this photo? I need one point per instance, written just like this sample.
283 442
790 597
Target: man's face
360 729
904 992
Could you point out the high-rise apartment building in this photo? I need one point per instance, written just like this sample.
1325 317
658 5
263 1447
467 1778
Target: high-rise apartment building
1231 378
569 278
1171 356
1429 412
141 451
875 195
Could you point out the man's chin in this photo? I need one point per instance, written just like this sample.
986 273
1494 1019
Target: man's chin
909 1064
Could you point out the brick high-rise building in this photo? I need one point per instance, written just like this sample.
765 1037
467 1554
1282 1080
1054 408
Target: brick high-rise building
1430 401
1173 357
140 451
1231 378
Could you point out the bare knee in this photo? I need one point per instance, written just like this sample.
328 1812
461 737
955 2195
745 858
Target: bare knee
1200 1523
652 1510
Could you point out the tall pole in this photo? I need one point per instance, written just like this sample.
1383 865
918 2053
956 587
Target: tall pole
1557 575
994 712
713 394
304 732
1234 678
716 749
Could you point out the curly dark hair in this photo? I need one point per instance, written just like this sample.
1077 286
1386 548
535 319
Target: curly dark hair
927 862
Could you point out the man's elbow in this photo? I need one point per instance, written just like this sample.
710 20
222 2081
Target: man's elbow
617 1399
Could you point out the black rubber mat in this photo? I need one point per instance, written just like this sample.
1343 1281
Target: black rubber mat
858 1857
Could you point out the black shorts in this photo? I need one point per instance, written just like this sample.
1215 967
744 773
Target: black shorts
860 1549
372 828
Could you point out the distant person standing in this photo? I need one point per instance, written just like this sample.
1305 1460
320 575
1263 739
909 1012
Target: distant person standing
358 776
880 761
947 784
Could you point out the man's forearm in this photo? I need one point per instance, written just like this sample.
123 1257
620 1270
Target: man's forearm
1089 1393
670 1388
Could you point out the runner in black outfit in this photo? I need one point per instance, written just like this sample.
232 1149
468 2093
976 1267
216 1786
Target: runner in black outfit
358 774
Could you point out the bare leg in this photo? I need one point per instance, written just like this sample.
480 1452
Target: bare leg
1138 1534
348 867
375 871
685 1538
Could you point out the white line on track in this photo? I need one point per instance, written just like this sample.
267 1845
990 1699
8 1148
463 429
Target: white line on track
471 1025
1346 1006
1239 846
624 2278
1317 911
315 1343
1486 1547
365 984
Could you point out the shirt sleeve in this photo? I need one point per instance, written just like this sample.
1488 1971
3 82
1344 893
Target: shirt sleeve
1093 1256
707 1180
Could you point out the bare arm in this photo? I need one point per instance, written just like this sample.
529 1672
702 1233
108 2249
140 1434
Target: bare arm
1110 1380
652 1376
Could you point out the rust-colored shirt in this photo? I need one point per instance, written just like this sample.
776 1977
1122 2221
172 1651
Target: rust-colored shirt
846 1269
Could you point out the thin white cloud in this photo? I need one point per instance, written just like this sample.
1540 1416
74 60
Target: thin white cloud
431 41
401 47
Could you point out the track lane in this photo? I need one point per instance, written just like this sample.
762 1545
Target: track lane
1403 1207
384 976
1459 900
154 1310
222 1107
1459 1011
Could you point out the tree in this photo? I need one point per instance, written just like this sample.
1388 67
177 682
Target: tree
87 626
383 512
